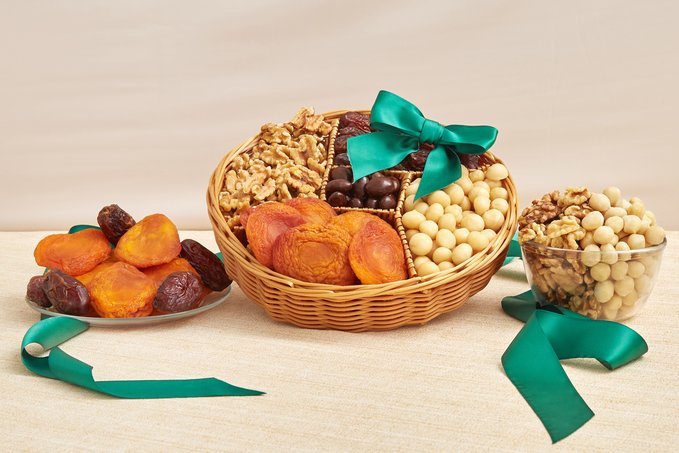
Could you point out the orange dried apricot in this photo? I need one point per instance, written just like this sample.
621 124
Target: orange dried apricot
314 253
152 241
265 224
313 210
376 254
74 254
353 221
87 277
122 291
160 272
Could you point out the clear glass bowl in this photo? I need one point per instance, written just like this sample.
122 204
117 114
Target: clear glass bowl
600 285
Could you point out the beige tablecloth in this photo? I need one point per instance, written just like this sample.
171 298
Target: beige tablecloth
439 387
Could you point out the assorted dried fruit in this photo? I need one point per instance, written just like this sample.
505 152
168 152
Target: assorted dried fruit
295 234
593 253
85 279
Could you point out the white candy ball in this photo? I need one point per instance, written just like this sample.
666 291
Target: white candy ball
499 192
429 227
497 172
455 194
461 253
448 222
412 219
461 235
477 240
421 244
493 219
593 220
473 222
600 272
613 194
427 269
445 238
438 197
654 235
481 204
603 235
591 255
604 291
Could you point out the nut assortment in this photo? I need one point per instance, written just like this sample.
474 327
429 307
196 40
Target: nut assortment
288 161
286 232
595 253
127 269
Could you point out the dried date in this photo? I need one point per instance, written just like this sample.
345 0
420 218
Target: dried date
207 265
114 222
355 119
180 291
35 291
67 294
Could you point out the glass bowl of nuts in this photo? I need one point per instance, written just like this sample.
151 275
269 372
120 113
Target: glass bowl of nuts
596 254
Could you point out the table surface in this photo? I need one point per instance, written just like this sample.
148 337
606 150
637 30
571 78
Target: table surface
439 387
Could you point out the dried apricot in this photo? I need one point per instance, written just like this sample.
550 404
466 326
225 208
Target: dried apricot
353 221
376 254
87 277
114 222
314 253
313 210
122 291
75 253
152 241
160 272
266 224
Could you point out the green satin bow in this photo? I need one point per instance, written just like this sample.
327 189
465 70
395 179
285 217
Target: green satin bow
402 129
551 334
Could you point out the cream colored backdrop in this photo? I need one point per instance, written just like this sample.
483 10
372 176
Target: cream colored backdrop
135 102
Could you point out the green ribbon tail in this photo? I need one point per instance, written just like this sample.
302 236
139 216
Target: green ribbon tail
551 334
51 332
441 169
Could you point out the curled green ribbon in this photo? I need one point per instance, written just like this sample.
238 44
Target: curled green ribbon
402 128
51 332
551 334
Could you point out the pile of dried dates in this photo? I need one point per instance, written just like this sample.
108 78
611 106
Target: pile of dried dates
124 269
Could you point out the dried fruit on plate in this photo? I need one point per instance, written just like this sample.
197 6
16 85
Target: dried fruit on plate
376 254
87 277
313 210
122 291
75 254
314 253
152 241
265 224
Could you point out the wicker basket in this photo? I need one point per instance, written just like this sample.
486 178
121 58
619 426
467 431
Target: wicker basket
356 308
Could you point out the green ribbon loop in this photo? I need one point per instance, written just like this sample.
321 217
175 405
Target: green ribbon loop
51 332
402 128
551 334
